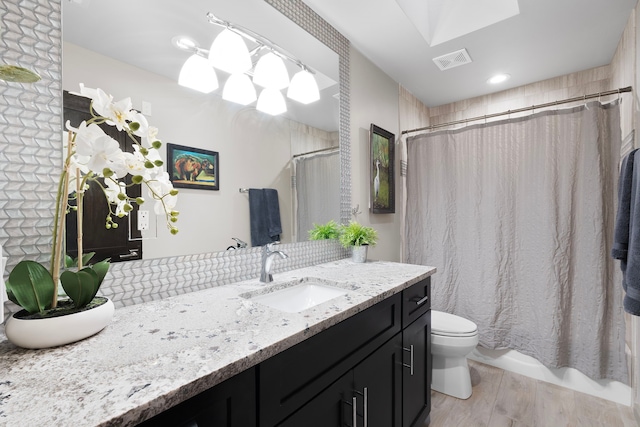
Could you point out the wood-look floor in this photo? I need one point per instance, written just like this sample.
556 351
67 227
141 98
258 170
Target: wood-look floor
504 399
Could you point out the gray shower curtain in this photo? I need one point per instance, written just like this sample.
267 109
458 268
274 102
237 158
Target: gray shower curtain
517 216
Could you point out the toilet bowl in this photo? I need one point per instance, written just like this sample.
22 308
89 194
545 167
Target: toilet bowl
452 339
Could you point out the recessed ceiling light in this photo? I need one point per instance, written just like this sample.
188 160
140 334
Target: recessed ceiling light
184 43
498 78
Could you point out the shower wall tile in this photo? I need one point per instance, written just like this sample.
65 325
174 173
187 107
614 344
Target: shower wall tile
572 85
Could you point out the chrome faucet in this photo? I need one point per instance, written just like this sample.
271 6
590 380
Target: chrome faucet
267 253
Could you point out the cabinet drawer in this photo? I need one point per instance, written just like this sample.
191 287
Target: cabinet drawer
290 379
416 300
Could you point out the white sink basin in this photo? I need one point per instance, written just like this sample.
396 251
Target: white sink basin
300 297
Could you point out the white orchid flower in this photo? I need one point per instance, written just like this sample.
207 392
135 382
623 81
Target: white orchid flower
161 185
114 188
105 153
116 113
134 163
148 134
88 92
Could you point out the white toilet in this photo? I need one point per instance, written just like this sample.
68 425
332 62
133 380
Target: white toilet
452 339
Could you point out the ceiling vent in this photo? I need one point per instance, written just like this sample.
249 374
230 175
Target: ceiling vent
453 59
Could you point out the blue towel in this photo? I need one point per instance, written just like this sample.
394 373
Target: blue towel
264 216
626 246
621 233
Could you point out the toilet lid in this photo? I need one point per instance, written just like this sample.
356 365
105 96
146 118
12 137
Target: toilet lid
451 325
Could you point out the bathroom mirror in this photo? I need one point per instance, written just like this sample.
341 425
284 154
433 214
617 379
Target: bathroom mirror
126 49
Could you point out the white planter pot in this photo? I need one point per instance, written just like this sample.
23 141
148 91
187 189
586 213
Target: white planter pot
55 331
359 253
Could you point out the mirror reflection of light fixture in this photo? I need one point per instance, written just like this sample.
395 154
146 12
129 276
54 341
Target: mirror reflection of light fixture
197 73
239 89
271 102
229 53
270 72
303 88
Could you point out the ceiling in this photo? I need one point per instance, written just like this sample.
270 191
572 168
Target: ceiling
545 39
532 40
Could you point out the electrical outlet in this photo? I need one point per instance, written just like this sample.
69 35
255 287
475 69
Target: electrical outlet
143 220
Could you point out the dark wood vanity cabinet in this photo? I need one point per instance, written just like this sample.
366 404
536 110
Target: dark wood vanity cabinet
370 370
370 394
378 360
231 403
416 375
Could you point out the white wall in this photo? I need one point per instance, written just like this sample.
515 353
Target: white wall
374 99
254 150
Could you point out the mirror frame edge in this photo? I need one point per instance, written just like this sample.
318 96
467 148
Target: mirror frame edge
303 16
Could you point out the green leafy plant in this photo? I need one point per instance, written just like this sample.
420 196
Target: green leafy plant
330 230
94 156
356 234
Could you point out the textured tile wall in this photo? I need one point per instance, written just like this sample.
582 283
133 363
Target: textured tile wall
30 123
30 155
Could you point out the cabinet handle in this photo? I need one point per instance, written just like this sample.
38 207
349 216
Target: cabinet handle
410 350
366 403
355 412
423 300
132 253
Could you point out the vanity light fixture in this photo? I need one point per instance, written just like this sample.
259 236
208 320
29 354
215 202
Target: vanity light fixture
239 89
271 101
197 73
270 72
184 43
229 53
303 88
498 78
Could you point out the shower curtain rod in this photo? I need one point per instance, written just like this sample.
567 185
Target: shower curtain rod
314 152
520 110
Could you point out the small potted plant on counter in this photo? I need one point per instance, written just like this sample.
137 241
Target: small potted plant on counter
330 230
359 238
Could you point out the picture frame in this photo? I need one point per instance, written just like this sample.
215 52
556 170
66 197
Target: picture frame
191 167
382 174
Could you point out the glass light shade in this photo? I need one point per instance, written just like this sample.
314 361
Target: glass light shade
197 73
271 102
229 53
239 89
271 72
303 88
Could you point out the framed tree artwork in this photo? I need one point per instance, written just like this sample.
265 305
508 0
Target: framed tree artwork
382 184
193 167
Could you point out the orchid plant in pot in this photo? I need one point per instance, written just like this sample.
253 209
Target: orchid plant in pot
91 155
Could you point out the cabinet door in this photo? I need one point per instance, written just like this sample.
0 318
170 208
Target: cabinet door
331 408
114 243
416 375
230 404
378 386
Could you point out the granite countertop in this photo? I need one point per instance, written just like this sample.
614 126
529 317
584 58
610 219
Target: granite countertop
158 354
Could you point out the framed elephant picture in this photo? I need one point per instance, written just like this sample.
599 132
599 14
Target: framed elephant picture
382 183
191 167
